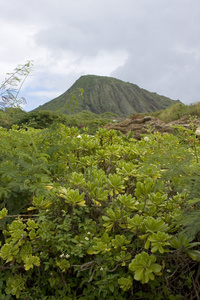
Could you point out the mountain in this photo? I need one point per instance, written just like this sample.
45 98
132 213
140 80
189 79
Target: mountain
107 94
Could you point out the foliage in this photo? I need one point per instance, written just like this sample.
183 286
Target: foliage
10 116
11 86
177 111
41 119
97 217
84 121
106 94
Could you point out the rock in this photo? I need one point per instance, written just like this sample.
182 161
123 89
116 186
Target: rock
148 123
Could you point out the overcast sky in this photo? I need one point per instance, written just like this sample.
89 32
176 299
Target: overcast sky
152 43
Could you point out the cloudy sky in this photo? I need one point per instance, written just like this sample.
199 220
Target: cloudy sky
152 43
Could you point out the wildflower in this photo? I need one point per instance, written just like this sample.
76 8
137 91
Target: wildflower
62 255
88 232
146 139
67 255
197 132
107 249
86 238
101 269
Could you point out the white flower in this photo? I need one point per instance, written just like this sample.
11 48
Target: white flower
168 270
146 139
86 238
67 255
88 232
61 255
197 132
101 269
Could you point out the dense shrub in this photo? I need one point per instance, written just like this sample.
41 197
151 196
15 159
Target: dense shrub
84 121
178 111
98 217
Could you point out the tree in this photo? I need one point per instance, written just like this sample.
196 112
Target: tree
11 86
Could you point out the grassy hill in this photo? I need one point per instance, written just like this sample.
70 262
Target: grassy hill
107 94
178 111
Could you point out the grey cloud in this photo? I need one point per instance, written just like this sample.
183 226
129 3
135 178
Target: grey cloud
161 38
173 75
150 23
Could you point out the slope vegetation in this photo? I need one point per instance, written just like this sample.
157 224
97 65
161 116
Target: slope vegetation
107 94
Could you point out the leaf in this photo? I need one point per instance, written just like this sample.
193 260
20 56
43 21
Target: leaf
139 274
143 266
31 208
111 287
147 244
8 252
3 213
125 283
156 268
81 203
30 262
32 224
194 254
89 251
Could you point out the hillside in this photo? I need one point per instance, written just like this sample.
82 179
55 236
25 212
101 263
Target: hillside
107 94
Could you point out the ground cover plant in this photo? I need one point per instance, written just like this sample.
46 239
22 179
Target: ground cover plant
98 217
177 111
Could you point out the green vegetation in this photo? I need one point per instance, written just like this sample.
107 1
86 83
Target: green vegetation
178 111
98 217
85 120
10 116
107 94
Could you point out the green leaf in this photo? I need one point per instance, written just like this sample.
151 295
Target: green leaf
139 274
194 254
72 196
144 267
156 268
9 251
125 283
63 264
3 213
15 284
30 262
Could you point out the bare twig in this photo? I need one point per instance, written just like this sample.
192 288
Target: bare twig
85 266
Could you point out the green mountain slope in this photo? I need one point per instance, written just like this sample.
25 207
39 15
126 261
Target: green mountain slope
107 94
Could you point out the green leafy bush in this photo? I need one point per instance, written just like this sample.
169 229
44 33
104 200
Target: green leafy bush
85 121
177 111
97 217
